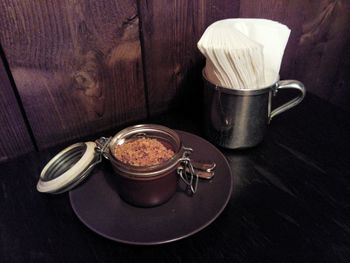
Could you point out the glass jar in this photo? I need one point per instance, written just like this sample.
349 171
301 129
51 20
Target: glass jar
147 185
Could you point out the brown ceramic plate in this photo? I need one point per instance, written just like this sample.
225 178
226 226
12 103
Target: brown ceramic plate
98 205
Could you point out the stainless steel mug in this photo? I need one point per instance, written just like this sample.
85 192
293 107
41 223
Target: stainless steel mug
239 118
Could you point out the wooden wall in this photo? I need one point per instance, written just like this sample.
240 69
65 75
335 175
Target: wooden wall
318 51
80 67
14 136
76 64
170 32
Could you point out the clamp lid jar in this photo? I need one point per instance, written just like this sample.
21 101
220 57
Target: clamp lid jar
148 185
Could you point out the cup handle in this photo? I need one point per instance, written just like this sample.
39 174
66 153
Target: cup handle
288 84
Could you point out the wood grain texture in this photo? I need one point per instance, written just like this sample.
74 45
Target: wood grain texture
14 137
77 65
318 49
78 68
171 30
325 47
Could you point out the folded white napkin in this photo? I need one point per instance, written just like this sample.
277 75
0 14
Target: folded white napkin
243 53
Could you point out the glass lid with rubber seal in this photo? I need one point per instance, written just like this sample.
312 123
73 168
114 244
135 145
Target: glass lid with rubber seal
71 166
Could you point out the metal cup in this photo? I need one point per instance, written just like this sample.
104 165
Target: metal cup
239 118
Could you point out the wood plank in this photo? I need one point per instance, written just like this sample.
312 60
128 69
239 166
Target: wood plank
14 136
77 65
318 49
325 45
171 30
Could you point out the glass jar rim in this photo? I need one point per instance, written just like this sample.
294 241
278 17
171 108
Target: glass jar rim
146 130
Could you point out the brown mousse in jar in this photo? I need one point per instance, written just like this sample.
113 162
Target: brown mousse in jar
143 152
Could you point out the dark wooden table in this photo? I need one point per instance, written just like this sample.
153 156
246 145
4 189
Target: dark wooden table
290 202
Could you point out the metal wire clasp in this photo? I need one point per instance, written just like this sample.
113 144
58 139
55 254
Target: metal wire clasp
101 146
186 171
